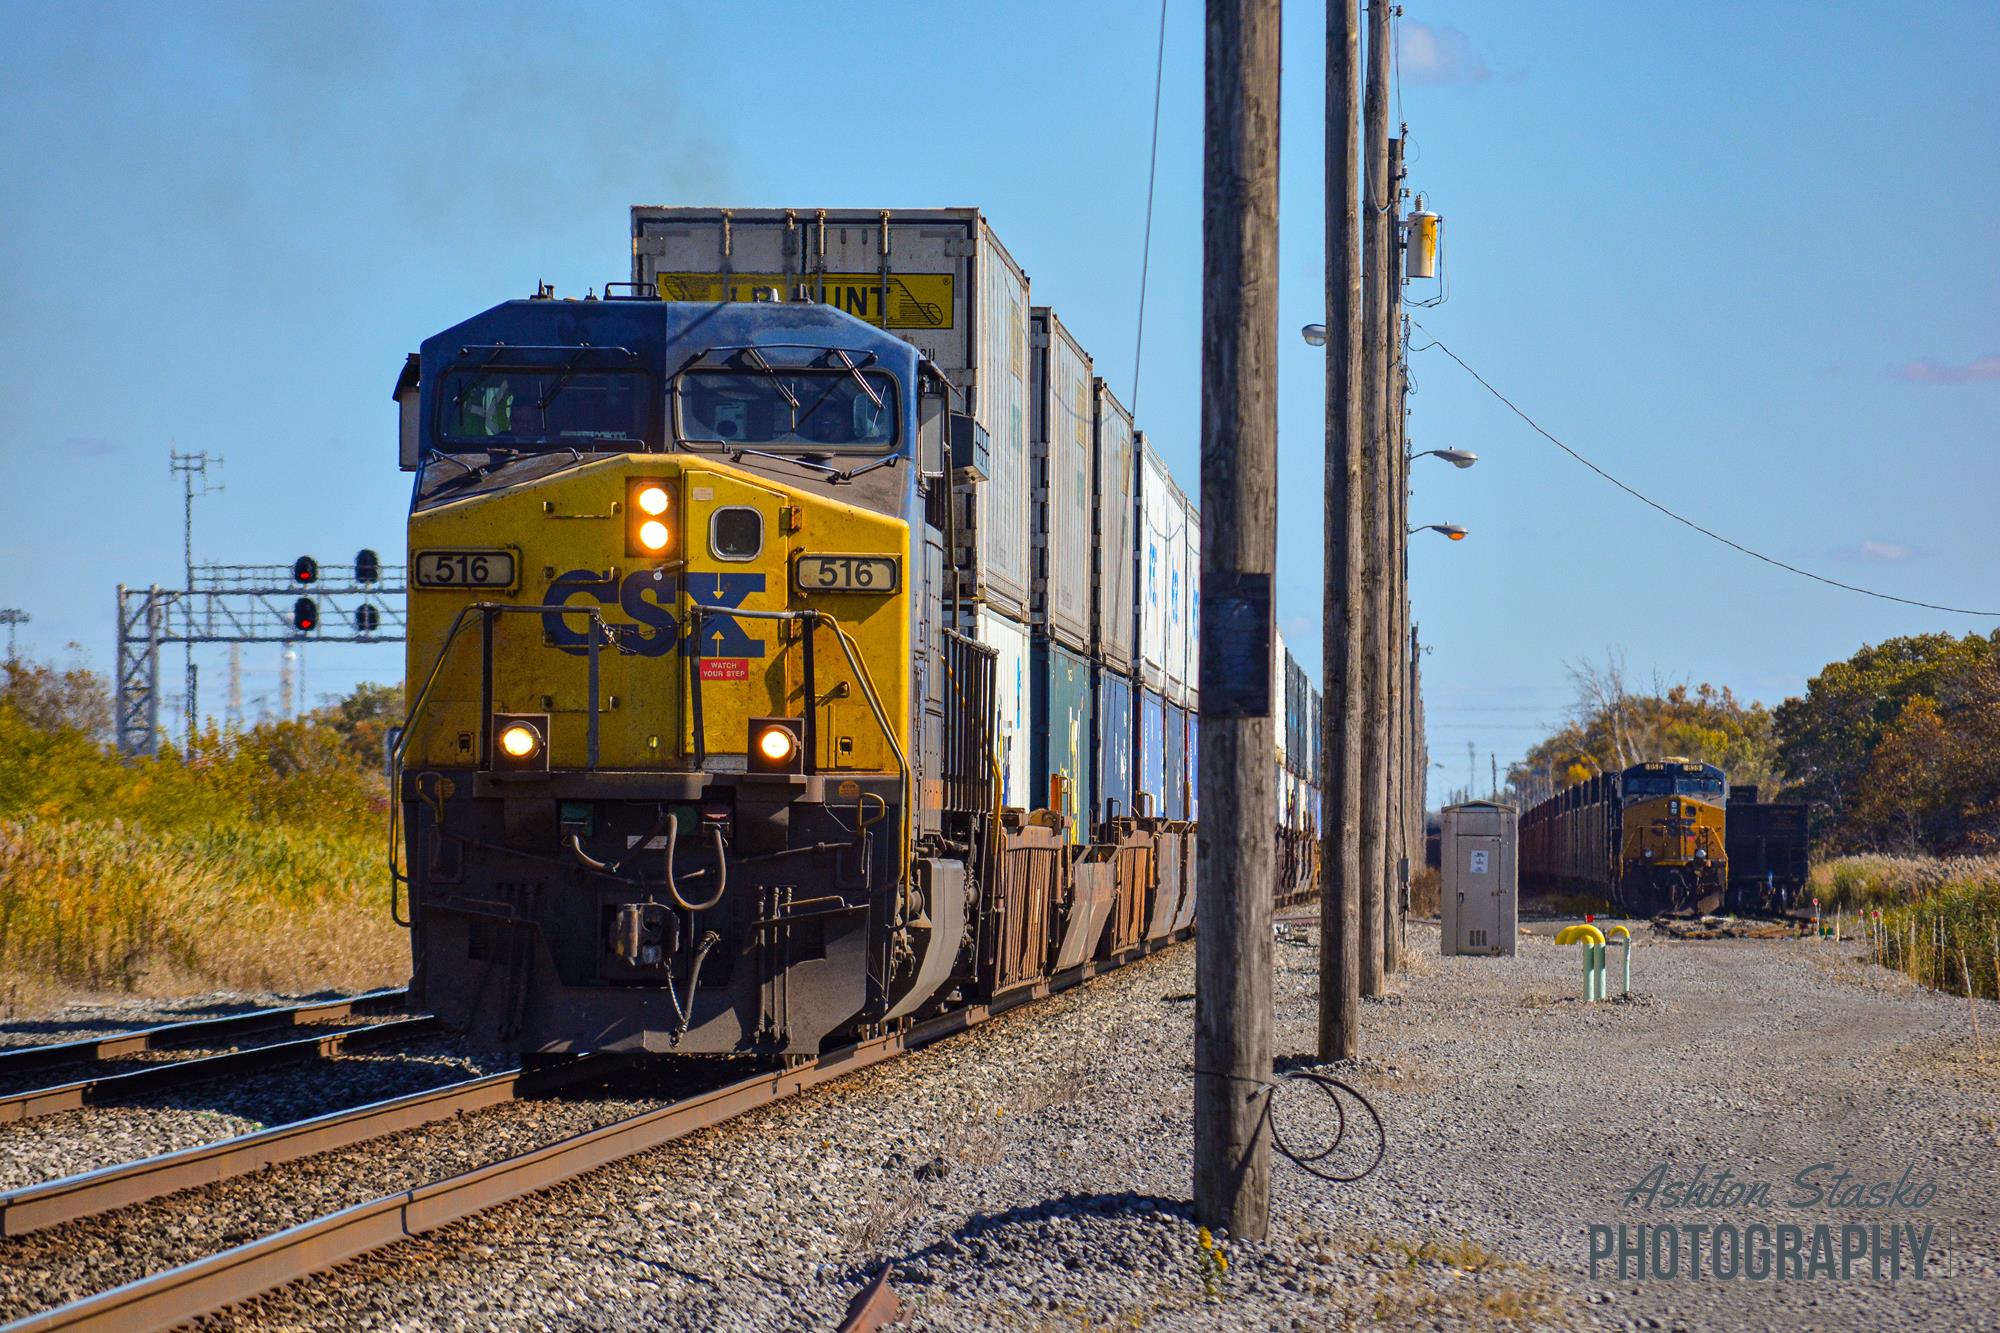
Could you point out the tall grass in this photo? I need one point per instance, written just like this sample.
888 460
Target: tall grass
257 864
1935 919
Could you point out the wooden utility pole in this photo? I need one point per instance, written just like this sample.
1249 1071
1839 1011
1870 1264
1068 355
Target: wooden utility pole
1236 848
1346 604
1395 845
1375 218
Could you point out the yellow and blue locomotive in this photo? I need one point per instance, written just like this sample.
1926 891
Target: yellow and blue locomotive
1650 839
681 772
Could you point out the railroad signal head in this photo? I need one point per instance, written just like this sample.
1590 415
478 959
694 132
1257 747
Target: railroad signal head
305 615
367 566
305 569
366 618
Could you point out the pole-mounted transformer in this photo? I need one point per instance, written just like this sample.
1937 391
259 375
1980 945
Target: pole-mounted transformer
1420 243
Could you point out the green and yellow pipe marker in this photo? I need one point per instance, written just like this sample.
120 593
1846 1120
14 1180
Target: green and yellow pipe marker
1594 946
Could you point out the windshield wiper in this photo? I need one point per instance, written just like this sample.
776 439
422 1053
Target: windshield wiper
832 473
860 378
757 358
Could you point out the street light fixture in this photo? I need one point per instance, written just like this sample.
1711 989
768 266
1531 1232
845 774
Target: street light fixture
1315 334
1451 530
1458 458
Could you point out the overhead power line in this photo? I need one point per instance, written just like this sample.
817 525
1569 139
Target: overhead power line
1683 519
1152 174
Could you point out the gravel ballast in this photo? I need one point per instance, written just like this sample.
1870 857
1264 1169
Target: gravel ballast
1034 1173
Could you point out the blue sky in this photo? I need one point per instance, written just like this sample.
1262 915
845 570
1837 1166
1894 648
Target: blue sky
1741 256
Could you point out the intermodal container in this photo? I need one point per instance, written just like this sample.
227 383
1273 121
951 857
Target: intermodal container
1111 771
1193 764
1176 752
1114 558
1152 767
1159 519
938 277
1064 736
1062 480
1013 706
1191 531
1178 594
1279 656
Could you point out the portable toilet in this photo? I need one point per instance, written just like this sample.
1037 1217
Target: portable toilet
1480 897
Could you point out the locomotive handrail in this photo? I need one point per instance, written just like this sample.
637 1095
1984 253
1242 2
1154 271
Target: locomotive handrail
402 745
867 682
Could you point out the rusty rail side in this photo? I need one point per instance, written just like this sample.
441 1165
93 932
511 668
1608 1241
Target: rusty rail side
165 1036
32 1102
207 1285
49 1203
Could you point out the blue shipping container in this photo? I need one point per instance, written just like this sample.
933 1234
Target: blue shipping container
1111 773
1062 736
1152 753
1176 737
1193 764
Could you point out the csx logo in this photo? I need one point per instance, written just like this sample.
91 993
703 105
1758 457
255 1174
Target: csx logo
647 598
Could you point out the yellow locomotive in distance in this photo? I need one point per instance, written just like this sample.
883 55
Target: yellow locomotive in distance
1672 851
1650 839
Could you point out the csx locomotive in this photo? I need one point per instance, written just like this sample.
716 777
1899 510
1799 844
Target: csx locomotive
693 762
1651 839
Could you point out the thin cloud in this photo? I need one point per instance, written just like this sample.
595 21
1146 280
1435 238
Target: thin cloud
1939 372
1431 56
1876 551
82 446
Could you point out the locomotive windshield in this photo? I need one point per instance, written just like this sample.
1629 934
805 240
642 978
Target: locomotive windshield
549 407
788 409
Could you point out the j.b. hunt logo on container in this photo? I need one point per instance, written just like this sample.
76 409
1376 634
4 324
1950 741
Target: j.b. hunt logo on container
646 597
1887 1245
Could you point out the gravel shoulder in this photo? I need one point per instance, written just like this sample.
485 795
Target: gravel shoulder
1034 1173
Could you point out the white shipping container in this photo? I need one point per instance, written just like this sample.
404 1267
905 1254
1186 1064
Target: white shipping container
1160 553
1177 593
1113 554
1062 484
937 277
1278 656
1191 532
1012 703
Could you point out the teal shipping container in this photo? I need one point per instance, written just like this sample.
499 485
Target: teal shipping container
1062 737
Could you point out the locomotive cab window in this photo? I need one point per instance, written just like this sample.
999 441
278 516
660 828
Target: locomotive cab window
542 407
736 533
787 409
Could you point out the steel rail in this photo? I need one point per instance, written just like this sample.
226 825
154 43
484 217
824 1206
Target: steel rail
33 1102
204 1286
24 1059
88 1194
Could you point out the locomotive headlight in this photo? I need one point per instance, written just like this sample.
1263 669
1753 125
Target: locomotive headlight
776 745
649 516
520 742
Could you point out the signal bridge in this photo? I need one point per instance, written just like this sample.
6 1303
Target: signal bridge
304 602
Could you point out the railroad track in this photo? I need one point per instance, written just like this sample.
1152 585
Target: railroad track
107 1088
217 1281
166 1036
